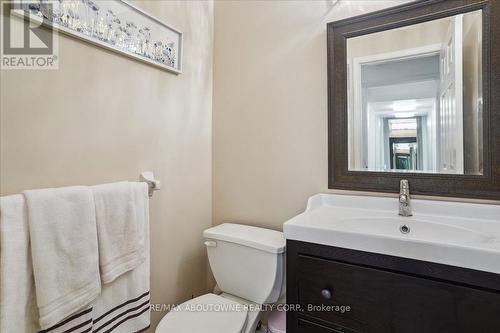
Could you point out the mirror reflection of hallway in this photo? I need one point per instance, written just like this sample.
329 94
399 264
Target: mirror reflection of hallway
404 154
414 98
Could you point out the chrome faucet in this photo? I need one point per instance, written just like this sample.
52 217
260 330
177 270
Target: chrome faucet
404 198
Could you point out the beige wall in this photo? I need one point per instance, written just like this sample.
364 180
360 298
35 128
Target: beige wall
270 106
103 117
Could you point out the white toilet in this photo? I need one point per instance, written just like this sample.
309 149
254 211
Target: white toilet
249 266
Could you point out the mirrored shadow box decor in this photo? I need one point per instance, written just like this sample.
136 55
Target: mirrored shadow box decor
116 25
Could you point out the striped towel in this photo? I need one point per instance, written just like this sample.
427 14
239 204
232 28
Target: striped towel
64 250
126 317
124 304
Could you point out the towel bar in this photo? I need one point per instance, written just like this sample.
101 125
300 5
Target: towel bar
149 178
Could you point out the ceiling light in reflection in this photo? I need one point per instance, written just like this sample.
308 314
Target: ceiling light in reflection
404 115
404 105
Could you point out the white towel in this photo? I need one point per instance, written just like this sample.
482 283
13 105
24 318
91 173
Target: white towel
63 236
123 305
18 311
118 222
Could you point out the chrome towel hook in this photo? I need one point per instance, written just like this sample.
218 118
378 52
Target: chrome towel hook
149 178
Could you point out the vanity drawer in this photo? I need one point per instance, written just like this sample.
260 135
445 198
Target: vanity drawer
384 301
349 286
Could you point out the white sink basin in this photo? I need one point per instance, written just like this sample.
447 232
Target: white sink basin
459 234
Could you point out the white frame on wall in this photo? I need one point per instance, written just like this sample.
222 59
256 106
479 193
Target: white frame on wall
92 40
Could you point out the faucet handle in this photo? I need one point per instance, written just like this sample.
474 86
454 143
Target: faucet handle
404 198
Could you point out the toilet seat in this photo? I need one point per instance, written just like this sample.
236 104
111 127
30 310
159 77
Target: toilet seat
208 313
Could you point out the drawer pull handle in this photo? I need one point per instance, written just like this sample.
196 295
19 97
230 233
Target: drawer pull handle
327 294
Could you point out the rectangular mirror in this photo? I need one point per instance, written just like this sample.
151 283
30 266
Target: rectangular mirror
415 97
414 93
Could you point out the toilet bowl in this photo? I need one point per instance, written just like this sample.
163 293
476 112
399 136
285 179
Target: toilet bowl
248 265
209 313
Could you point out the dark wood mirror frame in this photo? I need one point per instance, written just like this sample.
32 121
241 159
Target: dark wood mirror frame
486 186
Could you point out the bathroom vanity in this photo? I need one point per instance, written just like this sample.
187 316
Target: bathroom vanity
351 267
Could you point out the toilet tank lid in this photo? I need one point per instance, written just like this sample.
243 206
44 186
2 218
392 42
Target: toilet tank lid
259 238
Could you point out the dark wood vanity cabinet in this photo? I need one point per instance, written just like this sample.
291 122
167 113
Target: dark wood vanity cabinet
341 290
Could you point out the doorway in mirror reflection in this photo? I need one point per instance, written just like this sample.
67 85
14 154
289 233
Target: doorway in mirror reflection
415 98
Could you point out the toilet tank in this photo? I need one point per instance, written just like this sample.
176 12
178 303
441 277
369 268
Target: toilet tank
248 262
